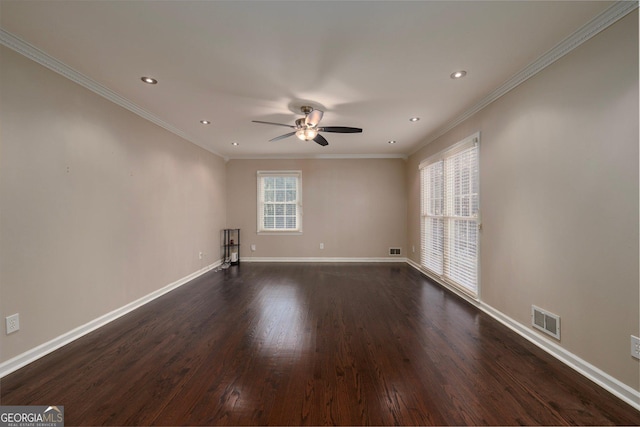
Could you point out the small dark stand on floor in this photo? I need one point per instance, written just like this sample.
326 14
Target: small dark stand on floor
231 246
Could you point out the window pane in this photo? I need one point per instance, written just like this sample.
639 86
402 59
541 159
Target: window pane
290 209
269 196
435 207
461 265
268 222
432 244
291 196
279 222
291 222
268 210
290 183
433 188
462 183
280 196
268 183
279 183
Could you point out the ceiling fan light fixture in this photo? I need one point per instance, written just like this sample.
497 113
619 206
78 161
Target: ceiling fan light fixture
306 128
306 134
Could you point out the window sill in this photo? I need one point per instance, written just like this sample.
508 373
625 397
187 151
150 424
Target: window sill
280 233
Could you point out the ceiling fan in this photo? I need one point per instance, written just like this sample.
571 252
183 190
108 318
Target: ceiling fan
307 128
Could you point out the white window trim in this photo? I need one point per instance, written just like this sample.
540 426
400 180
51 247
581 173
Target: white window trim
448 152
260 201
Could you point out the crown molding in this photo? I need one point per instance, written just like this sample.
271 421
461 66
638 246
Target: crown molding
608 17
15 43
321 157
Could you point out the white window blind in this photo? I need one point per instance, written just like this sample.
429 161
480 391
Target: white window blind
450 214
433 217
279 201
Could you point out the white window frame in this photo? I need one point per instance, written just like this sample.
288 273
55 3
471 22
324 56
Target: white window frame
261 201
442 215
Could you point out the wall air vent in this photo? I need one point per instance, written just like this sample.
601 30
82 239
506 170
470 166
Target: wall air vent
395 251
548 323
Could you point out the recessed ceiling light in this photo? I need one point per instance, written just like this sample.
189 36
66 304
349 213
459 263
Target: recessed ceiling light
392 141
235 144
458 74
414 119
205 122
149 80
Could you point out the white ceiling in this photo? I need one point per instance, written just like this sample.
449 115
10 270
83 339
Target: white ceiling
366 64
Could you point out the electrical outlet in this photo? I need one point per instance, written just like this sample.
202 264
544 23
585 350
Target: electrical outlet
253 248
635 347
13 323
200 255
413 249
321 245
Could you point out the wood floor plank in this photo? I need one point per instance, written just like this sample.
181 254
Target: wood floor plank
311 344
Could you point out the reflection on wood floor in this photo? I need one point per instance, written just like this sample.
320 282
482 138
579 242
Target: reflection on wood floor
310 344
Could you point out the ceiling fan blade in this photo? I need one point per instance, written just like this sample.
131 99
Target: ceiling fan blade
340 129
313 118
286 135
320 140
271 123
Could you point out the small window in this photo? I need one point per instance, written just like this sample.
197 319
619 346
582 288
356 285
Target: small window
280 201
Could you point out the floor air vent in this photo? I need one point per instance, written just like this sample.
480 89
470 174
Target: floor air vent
548 323
394 251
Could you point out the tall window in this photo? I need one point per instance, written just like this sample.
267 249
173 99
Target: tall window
450 214
280 201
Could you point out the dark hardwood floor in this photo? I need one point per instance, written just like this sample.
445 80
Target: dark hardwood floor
310 344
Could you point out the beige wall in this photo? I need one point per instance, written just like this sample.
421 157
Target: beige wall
99 207
356 207
559 198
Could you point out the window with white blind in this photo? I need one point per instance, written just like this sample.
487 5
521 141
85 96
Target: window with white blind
280 201
450 214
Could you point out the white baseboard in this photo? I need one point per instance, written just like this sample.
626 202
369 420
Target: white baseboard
323 259
35 353
598 376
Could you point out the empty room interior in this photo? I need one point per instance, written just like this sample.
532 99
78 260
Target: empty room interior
320 212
